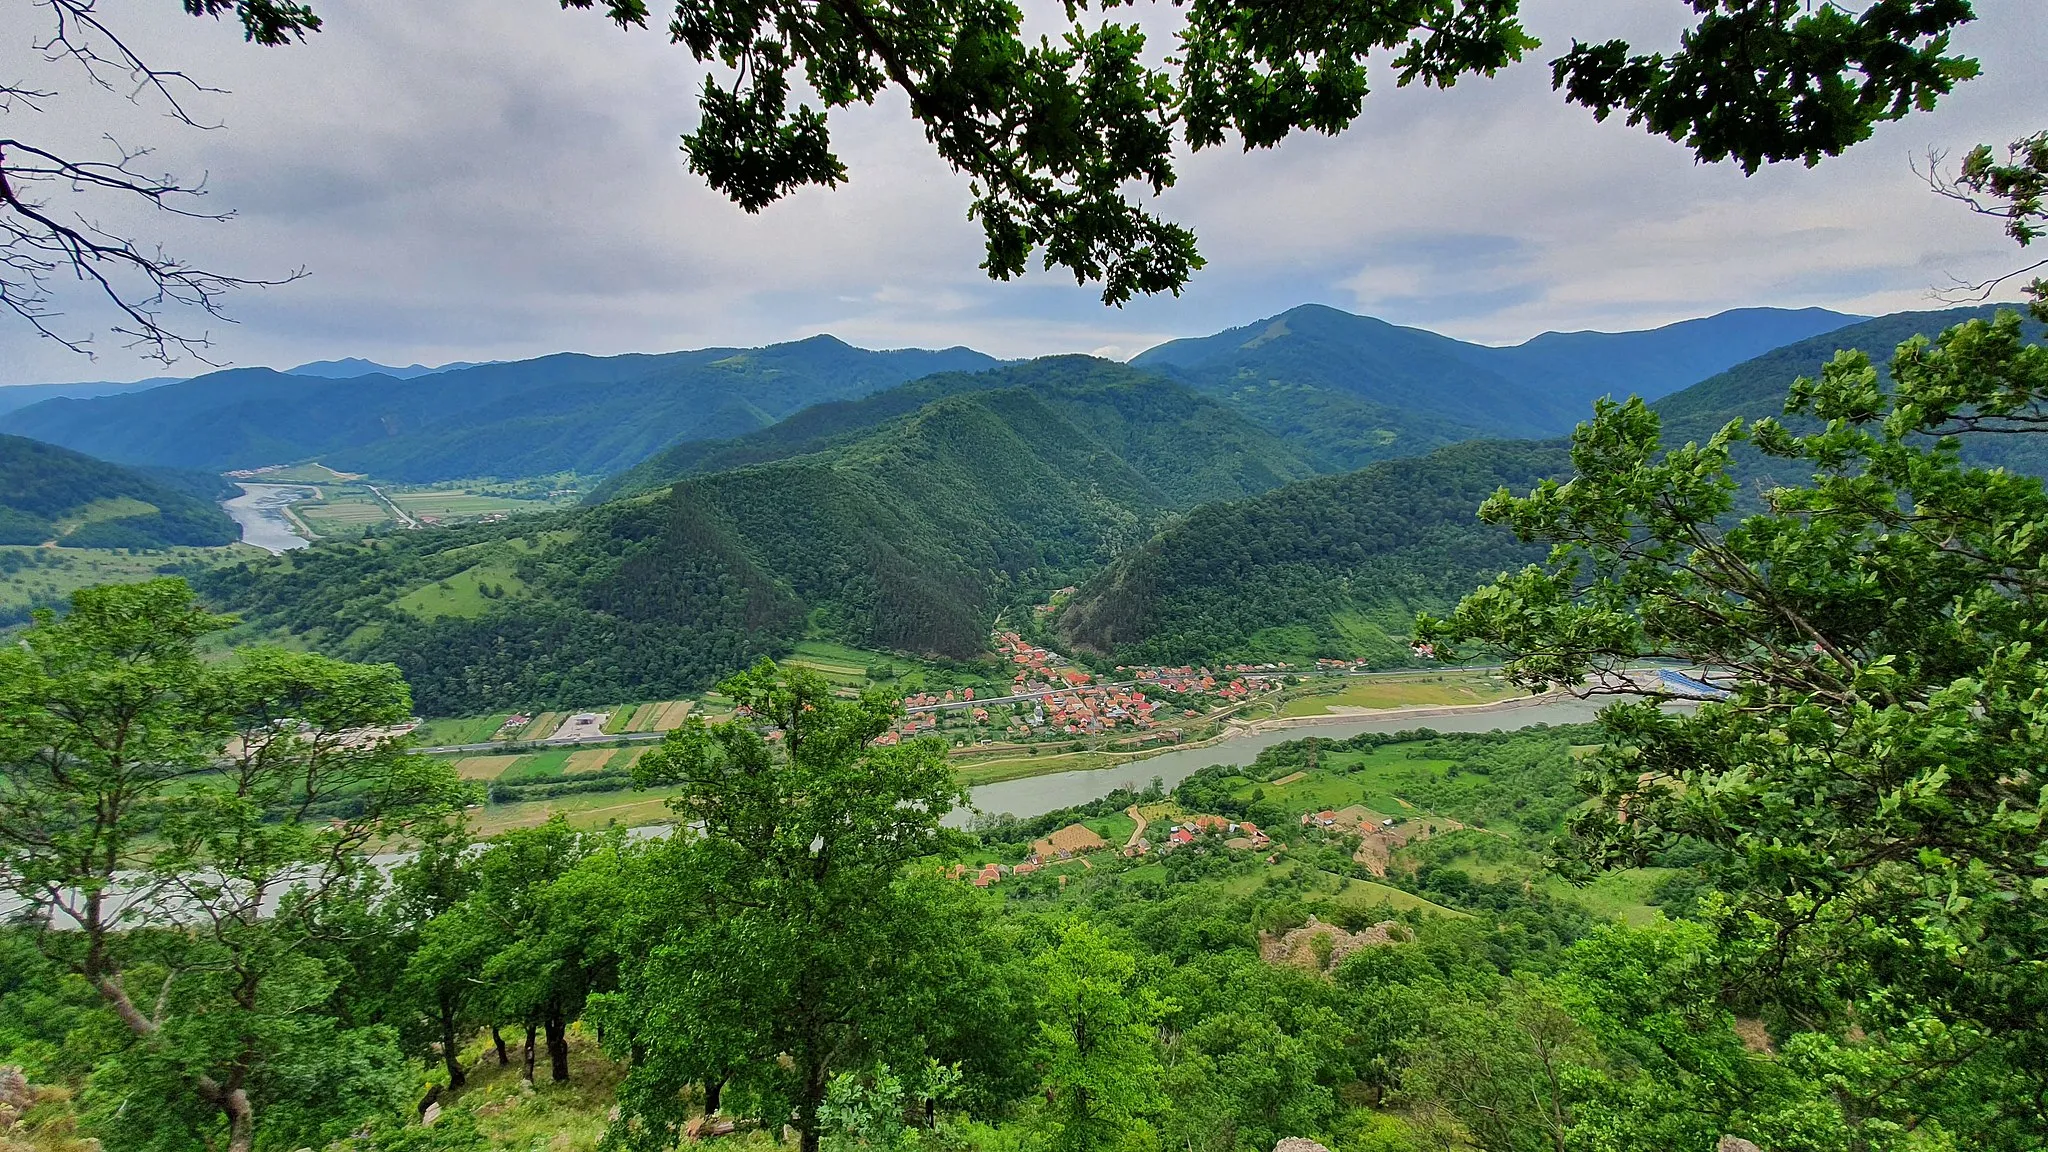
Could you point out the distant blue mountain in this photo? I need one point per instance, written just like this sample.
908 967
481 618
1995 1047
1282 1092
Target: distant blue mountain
561 413
22 395
350 367
1353 389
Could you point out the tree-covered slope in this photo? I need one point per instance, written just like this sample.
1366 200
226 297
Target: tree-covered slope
905 537
1335 566
52 493
1196 448
1350 390
534 417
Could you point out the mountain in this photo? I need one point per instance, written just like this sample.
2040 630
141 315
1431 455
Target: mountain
1336 566
561 413
905 535
52 493
18 396
349 367
1339 566
1349 389
1152 423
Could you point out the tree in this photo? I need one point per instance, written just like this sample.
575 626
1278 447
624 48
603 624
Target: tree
1052 133
1095 1030
42 244
440 966
791 930
1870 790
195 821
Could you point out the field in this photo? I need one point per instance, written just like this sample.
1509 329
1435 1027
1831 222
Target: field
466 730
586 760
312 473
1374 779
484 767
32 577
342 511
838 663
543 726
1426 691
585 810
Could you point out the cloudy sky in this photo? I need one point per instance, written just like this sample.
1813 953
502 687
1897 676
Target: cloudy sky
493 179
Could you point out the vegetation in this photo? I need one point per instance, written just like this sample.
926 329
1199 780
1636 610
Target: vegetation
908 538
563 413
49 493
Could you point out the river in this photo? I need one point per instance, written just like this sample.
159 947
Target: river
1038 794
260 512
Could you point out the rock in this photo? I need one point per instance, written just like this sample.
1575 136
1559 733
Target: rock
1297 947
1297 1144
14 1090
431 1113
1735 1144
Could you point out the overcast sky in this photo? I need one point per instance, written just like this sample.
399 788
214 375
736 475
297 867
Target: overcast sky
494 179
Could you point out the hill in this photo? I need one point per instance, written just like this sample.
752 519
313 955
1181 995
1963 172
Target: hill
1351 389
1194 447
1336 566
51 493
908 536
18 396
563 413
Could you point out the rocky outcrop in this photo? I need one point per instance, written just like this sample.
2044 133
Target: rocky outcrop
1297 1144
1319 947
1735 1144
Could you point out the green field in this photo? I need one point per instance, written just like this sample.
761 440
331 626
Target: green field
463 730
309 473
33 577
1429 691
467 594
342 511
1375 779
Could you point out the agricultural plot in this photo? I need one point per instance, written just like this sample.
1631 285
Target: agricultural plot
311 473
660 716
484 767
537 766
1402 692
1372 779
587 760
624 759
543 726
462 730
342 511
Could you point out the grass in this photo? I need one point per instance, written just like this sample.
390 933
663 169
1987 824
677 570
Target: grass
1017 768
546 765
543 726
460 730
585 810
462 595
484 767
112 508
1398 692
623 759
586 760
1116 829
619 719
310 473
1374 778
32 577
838 663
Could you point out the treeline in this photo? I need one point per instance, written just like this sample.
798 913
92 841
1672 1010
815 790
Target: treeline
42 485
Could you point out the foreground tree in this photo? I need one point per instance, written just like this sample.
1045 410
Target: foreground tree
784 932
191 824
1872 785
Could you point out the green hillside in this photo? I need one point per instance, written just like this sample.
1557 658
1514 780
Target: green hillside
904 538
1149 421
563 413
50 493
1336 566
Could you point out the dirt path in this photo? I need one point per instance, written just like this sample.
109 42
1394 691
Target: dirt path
1134 814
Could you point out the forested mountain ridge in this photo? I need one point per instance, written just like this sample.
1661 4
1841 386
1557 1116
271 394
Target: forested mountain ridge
561 413
1351 389
52 493
902 537
1336 566
1194 446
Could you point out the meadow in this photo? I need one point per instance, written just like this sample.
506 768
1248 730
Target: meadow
32 577
1426 690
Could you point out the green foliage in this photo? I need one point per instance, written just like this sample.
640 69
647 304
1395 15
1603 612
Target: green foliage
42 486
1058 134
145 790
1390 538
1871 792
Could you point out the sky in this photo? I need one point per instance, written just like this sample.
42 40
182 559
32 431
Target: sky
496 179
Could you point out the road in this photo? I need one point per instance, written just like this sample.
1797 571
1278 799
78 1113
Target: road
404 518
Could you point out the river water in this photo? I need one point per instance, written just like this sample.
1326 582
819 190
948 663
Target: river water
1039 794
260 512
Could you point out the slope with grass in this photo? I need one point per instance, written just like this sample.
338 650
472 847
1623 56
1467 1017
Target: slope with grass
903 539
53 494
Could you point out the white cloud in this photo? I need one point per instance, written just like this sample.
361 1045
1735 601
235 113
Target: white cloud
472 180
